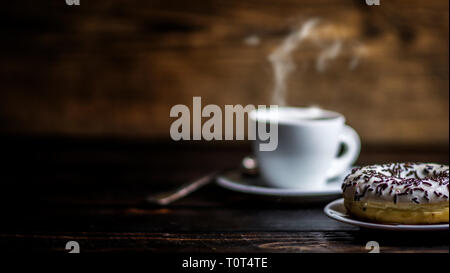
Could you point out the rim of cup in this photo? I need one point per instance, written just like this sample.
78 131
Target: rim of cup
298 115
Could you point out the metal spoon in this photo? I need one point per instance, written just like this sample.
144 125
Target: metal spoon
248 166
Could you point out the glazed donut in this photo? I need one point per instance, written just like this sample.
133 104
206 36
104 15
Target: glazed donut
403 193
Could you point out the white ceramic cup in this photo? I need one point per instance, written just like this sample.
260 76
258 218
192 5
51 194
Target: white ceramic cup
308 144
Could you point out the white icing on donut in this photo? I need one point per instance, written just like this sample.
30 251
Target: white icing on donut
419 183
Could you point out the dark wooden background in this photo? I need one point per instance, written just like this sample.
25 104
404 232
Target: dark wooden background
84 117
114 68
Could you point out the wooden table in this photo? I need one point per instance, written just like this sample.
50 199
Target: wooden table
91 190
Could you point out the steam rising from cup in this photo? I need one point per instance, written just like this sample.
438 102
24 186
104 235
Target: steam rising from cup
281 59
283 64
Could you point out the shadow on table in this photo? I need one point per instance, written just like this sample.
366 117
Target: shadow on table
411 241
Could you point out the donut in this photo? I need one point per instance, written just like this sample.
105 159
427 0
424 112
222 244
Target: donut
400 193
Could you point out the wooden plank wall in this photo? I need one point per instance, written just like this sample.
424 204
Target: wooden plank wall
114 68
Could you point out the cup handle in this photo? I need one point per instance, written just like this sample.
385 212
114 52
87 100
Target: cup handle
352 143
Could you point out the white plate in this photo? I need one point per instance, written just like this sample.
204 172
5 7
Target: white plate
235 181
337 211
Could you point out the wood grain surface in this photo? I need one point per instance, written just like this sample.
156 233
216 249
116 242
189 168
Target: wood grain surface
93 191
115 68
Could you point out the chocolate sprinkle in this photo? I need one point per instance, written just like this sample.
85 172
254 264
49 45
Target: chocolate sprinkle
401 179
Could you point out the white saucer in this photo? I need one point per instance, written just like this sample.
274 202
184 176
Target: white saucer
235 181
337 211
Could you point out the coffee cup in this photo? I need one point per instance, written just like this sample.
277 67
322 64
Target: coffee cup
307 154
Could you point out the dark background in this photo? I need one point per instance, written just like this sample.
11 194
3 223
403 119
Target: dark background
115 68
84 117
